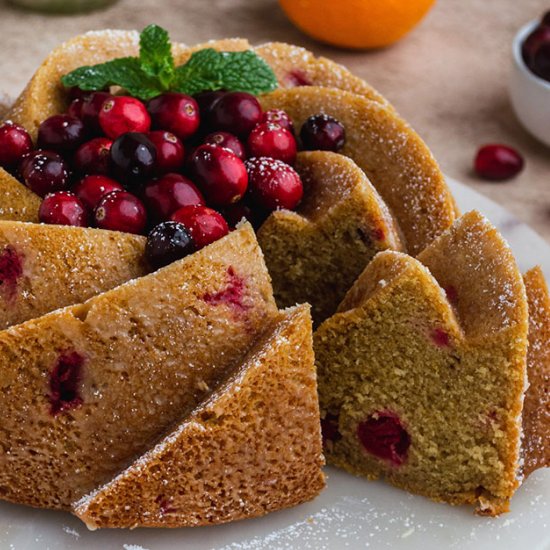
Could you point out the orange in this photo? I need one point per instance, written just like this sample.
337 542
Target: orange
356 23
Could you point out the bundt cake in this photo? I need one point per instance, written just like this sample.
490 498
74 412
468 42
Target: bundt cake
252 447
315 254
422 370
18 203
45 267
88 388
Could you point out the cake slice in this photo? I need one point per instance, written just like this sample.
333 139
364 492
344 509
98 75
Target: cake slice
18 203
422 370
253 447
392 155
45 267
87 388
315 254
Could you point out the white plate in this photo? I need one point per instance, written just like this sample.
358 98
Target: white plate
350 513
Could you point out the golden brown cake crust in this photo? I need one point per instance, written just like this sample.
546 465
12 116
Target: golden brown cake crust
253 447
17 202
395 159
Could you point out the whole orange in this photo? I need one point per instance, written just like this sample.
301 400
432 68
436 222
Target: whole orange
356 23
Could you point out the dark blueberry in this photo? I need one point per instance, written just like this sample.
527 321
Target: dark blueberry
168 242
322 133
133 157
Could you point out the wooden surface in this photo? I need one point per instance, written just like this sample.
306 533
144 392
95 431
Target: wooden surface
448 78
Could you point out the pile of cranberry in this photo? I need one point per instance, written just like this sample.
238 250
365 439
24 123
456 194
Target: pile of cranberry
536 49
184 169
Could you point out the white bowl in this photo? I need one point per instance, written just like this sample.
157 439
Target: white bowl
530 94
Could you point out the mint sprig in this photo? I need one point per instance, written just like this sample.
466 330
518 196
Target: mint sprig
154 71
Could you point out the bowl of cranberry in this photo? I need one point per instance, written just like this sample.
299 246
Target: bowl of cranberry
530 78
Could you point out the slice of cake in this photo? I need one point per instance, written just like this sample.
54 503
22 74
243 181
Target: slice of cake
422 371
87 388
45 267
392 155
18 203
254 446
315 254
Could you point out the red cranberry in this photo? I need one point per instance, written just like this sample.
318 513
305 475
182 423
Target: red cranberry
44 172
121 114
90 110
63 208
65 381
121 211
498 162
297 78
203 224
11 270
75 108
383 436
541 61
91 189
220 174
273 183
280 117
232 295
236 112
440 338
61 133
15 143
165 195
94 157
176 113
271 140
167 242
133 157
323 133
170 151
206 101
227 140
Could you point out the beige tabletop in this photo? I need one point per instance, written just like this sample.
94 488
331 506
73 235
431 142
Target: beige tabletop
448 78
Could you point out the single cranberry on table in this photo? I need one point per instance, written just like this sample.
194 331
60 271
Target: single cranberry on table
121 114
235 112
176 113
15 143
280 117
133 158
91 107
268 139
121 211
322 133
273 184
167 242
61 133
91 189
203 224
497 162
170 151
227 140
64 208
220 174
44 172
164 195
94 157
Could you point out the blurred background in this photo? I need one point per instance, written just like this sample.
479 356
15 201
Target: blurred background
448 77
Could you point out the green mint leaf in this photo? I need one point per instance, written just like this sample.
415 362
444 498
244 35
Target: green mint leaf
209 69
155 54
125 72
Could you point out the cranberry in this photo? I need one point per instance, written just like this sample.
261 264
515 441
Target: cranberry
15 143
176 113
61 133
280 117
94 157
206 102
541 62
274 184
170 151
384 436
63 208
75 108
121 114
297 78
220 174
90 110
227 140
11 270
498 162
322 132
541 35
271 140
65 380
165 195
133 157
235 213
236 112
203 224
91 189
232 295
121 211
77 93
44 172
440 338
168 242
